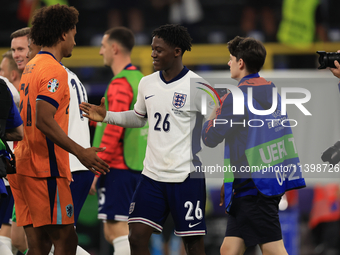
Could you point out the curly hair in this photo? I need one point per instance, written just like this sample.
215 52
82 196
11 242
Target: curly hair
50 23
174 36
250 50
122 35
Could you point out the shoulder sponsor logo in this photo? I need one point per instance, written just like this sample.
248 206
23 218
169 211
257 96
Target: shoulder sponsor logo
194 225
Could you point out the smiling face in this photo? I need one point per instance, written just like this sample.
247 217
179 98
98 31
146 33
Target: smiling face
162 54
19 47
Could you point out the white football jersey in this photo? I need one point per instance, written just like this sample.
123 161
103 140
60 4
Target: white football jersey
78 125
175 121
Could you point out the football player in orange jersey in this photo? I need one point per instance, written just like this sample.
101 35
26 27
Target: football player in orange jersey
43 200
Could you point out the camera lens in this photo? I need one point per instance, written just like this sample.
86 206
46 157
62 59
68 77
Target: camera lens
326 59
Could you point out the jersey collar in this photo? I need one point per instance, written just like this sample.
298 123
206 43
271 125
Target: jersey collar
249 76
49 53
179 76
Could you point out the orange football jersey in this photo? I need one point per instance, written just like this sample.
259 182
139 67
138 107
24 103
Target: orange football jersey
44 78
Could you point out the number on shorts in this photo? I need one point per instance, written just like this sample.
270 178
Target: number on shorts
198 210
101 197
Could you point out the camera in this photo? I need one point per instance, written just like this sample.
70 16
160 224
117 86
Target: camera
332 154
326 59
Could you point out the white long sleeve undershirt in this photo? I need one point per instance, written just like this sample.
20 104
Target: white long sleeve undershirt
126 119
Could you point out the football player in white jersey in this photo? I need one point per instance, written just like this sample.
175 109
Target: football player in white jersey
170 101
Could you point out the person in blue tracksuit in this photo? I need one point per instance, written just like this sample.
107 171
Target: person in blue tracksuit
260 150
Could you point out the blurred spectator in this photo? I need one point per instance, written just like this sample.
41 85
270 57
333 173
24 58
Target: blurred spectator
185 12
331 11
325 219
27 7
301 22
9 69
132 9
259 11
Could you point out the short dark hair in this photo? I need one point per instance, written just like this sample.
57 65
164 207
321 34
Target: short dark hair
174 36
122 35
21 32
250 50
49 24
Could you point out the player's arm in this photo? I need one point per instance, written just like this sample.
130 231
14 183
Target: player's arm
216 130
119 98
206 98
46 123
15 134
126 119
98 113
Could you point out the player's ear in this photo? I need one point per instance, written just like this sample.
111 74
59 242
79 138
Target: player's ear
63 37
114 47
178 52
241 64
13 75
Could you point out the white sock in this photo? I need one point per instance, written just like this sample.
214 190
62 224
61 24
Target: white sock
81 251
4 250
121 246
6 241
52 250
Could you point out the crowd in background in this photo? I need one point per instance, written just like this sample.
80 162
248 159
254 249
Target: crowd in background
208 21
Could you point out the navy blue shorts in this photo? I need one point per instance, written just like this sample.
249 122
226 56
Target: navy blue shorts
6 207
153 201
255 219
80 187
115 190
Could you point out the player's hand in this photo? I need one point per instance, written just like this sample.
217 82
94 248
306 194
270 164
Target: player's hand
94 112
88 157
222 195
93 189
336 71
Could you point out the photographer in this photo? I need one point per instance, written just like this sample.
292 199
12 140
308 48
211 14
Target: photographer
324 219
336 71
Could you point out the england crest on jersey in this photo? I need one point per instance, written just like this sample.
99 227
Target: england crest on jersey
179 100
